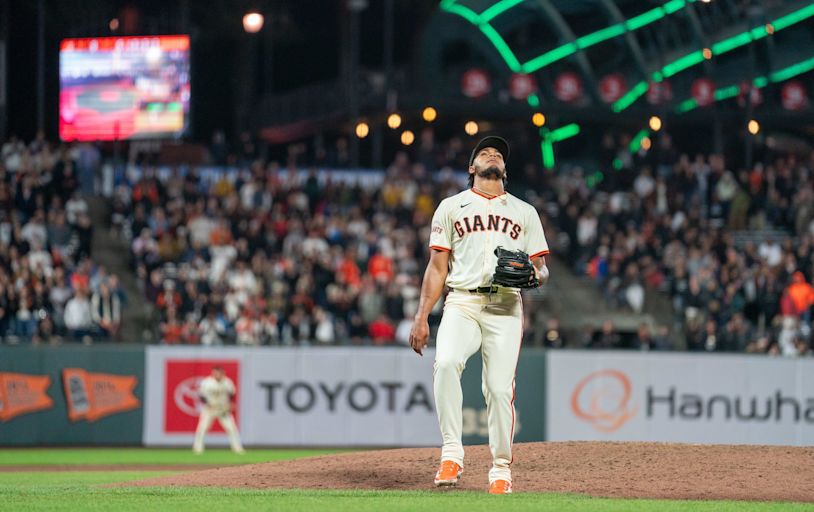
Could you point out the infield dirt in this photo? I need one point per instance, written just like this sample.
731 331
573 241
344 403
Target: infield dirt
623 470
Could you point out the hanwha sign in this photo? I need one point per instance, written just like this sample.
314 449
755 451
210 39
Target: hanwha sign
603 399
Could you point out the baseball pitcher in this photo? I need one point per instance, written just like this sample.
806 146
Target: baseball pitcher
217 393
480 244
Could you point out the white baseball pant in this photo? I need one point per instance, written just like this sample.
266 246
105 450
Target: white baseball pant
494 324
227 421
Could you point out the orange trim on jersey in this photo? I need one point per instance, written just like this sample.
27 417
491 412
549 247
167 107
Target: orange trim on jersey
439 248
541 253
483 195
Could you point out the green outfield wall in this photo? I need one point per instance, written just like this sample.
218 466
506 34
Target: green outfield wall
107 389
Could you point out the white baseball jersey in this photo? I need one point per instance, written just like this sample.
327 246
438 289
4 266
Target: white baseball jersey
217 393
471 225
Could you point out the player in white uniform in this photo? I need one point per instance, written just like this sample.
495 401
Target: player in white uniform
217 392
466 229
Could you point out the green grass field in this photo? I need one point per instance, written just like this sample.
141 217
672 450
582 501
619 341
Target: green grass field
83 490
53 456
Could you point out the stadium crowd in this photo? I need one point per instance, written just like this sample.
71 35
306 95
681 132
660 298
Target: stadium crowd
50 288
277 255
663 220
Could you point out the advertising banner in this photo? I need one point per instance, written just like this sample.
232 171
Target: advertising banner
693 398
297 396
21 393
325 396
91 396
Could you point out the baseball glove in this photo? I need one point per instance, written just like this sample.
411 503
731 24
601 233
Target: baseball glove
514 269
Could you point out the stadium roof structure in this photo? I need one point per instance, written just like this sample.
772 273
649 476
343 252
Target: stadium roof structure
647 42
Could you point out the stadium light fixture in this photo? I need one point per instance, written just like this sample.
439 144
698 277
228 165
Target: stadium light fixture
636 141
753 127
538 119
407 137
362 129
253 22
394 121
429 114
471 128
654 123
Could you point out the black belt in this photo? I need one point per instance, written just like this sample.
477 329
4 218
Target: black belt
484 289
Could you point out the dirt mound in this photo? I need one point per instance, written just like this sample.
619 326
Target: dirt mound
629 470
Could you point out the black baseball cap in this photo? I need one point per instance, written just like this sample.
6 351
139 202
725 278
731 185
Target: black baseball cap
498 143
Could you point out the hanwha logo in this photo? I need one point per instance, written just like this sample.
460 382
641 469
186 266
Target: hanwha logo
603 400
186 396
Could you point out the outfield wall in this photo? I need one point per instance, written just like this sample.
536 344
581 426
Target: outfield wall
680 397
341 396
71 395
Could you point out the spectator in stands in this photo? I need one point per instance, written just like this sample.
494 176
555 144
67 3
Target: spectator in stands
78 316
106 311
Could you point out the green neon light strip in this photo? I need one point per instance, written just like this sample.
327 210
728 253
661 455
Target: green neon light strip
721 47
487 29
547 149
792 71
482 22
565 132
502 48
500 7
682 63
725 93
629 97
548 138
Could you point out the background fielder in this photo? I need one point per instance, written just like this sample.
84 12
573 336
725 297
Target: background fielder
466 229
217 393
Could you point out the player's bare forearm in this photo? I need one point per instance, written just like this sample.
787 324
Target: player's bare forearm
431 289
435 278
542 269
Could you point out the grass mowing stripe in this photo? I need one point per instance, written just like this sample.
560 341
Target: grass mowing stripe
81 491
181 499
48 456
47 480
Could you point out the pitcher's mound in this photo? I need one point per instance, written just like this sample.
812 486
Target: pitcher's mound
625 470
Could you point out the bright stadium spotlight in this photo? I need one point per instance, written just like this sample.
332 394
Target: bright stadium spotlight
429 114
753 127
362 129
655 123
538 119
646 143
252 22
407 137
471 128
394 121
